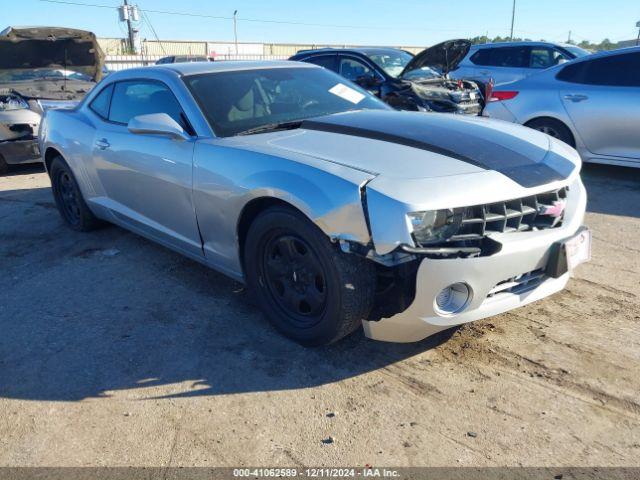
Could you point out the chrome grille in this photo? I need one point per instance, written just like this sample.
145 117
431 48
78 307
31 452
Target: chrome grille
519 215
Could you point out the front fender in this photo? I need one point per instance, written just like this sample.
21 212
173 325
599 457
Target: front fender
227 179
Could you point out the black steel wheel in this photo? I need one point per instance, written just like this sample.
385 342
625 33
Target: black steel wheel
308 289
68 197
295 278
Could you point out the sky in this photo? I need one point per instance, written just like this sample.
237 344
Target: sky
360 22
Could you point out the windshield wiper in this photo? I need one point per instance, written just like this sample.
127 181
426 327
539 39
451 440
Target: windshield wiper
272 127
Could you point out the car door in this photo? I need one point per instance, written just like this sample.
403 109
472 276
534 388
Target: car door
602 98
502 64
357 70
147 178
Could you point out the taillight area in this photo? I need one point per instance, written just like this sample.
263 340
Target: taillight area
501 95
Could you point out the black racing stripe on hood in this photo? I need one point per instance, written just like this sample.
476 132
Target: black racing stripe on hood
454 139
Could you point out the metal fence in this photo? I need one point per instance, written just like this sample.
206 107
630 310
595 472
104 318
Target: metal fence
122 62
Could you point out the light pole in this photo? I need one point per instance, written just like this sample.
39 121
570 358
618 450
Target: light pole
235 29
513 18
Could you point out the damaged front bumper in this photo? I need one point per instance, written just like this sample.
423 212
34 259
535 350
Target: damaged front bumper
15 152
513 277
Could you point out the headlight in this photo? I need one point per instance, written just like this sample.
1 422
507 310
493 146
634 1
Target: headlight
434 226
12 102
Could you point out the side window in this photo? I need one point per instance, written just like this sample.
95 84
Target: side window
481 57
142 97
614 70
100 104
513 57
352 68
326 61
544 57
574 72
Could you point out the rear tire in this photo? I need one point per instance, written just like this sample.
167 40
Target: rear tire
68 198
4 168
311 291
554 128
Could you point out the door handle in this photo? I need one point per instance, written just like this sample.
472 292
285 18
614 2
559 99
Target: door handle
576 98
103 144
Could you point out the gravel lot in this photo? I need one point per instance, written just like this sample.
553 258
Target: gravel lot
115 351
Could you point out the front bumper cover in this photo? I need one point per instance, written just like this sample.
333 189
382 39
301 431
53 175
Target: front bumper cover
20 151
521 253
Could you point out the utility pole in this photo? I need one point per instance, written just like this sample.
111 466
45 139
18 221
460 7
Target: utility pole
235 29
638 39
569 39
127 15
513 18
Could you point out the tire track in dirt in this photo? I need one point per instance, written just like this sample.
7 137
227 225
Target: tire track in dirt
471 345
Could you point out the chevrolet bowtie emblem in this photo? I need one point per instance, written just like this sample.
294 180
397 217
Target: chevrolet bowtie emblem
556 210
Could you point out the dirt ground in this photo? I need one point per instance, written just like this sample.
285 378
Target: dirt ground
115 351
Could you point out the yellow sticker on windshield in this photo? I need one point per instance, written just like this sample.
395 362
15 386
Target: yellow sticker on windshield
349 94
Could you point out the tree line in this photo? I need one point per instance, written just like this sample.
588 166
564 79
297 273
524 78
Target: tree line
605 44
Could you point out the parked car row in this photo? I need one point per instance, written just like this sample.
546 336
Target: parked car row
406 82
510 61
591 103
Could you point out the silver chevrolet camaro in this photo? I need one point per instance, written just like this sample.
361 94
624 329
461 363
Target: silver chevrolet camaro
334 209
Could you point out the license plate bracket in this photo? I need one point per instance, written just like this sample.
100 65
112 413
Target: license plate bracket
569 253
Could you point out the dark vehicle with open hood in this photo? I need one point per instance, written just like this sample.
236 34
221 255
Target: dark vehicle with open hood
405 81
41 68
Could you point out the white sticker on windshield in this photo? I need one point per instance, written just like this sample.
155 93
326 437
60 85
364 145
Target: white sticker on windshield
349 94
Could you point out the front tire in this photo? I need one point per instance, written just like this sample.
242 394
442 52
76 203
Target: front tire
68 198
4 168
310 291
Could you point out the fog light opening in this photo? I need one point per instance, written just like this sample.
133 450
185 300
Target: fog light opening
453 299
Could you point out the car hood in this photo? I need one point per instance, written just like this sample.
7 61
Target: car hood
444 57
413 145
69 90
51 47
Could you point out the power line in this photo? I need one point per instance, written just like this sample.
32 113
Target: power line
148 22
256 20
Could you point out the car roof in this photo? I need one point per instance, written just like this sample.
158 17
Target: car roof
605 53
361 50
197 68
520 44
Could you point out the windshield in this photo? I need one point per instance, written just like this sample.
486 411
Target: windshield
31 74
423 73
577 51
234 102
392 62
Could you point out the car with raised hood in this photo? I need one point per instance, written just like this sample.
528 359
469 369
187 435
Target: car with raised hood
41 68
335 209
591 103
405 81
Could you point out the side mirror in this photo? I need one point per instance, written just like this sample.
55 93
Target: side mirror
368 80
157 124
561 61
